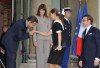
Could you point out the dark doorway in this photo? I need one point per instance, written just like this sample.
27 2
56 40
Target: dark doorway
5 13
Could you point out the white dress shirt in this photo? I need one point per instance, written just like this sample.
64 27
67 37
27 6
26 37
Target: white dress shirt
87 29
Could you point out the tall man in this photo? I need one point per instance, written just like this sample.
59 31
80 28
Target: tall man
67 35
90 56
12 37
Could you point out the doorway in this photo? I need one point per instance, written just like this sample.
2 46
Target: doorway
5 13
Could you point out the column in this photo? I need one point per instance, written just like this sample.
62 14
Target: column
99 12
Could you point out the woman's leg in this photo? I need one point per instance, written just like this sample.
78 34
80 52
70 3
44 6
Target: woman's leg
51 65
57 66
46 50
39 53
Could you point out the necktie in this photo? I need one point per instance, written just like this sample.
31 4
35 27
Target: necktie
85 32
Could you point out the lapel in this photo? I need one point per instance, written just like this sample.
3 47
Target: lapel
24 24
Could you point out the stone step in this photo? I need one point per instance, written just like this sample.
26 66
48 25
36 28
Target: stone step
31 61
72 65
27 65
33 65
32 56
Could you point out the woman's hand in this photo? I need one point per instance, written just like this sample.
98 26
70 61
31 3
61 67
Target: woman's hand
35 31
59 48
35 44
43 33
51 44
31 32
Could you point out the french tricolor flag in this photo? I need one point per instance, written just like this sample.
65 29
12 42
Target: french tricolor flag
79 39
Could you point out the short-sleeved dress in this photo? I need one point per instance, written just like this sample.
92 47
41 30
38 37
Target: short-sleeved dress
56 56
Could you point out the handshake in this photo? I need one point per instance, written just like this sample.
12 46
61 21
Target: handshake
32 32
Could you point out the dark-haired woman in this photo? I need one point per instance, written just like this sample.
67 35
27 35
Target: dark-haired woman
56 53
41 42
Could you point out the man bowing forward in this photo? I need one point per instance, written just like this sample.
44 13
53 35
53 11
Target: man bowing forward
15 34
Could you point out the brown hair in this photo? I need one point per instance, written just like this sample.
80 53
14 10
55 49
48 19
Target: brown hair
5 26
54 10
89 17
42 6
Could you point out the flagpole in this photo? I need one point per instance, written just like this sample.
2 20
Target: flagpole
86 1
80 1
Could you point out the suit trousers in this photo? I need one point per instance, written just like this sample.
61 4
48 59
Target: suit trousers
11 59
42 52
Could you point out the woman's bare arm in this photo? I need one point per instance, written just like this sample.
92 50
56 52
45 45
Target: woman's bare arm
44 33
59 42
59 39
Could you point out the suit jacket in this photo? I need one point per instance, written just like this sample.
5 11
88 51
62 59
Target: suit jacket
67 32
16 33
91 45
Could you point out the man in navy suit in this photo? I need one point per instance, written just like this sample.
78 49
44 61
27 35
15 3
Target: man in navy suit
15 34
90 56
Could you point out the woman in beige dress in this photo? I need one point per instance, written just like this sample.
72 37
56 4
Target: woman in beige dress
41 42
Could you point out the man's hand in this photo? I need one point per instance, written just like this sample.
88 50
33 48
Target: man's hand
35 44
51 44
80 63
31 32
96 62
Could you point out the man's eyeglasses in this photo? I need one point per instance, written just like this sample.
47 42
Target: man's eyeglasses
84 20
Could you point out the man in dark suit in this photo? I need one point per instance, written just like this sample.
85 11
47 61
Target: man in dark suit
12 37
90 56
